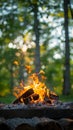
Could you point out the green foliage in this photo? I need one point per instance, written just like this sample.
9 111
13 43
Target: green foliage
67 97
17 18
7 99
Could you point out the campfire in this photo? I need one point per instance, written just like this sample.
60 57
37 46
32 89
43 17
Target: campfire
36 107
35 90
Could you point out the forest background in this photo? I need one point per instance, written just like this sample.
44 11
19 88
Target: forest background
38 33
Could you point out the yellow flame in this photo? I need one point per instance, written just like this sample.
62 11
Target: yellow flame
35 84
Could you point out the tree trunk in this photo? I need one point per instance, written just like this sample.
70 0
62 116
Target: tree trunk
21 69
36 31
11 78
66 83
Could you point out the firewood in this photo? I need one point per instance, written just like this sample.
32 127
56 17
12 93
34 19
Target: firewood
52 95
47 99
35 96
27 100
23 96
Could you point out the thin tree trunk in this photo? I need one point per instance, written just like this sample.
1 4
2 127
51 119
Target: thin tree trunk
11 78
66 83
36 31
21 69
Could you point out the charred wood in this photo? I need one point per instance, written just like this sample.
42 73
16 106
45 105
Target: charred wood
35 96
23 96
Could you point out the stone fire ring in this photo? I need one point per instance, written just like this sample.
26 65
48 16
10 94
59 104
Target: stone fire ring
64 110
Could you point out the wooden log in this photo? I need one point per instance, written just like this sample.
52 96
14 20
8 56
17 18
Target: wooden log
66 123
53 96
35 96
27 100
47 100
23 111
23 96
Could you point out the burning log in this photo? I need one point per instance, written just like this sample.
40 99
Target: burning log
29 99
35 92
29 96
53 96
35 96
47 100
24 96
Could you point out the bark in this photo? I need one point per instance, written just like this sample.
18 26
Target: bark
66 83
30 111
11 78
21 69
36 31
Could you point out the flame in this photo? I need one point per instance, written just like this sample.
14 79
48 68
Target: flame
35 82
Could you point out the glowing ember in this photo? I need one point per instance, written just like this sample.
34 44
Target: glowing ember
35 91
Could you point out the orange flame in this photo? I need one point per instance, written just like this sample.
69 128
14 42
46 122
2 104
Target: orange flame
38 86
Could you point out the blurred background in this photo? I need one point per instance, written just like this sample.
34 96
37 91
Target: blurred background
38 33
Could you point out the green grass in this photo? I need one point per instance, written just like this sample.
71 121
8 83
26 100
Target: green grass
7 99
66 98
